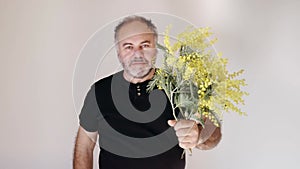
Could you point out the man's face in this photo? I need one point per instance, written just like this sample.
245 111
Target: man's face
136 49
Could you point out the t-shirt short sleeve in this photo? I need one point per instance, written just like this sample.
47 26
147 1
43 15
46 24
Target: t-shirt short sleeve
90 112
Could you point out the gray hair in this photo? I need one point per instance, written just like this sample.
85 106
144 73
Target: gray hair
133 18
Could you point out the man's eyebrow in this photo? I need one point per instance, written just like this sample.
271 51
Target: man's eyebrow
146 41
127 43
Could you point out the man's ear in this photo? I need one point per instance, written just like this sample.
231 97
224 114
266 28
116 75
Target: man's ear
117 50
118 56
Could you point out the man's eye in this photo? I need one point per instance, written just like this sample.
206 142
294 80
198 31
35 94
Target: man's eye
145 46
128 47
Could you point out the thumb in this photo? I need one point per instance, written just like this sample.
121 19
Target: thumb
172 123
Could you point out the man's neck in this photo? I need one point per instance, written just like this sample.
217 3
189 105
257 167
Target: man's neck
138 80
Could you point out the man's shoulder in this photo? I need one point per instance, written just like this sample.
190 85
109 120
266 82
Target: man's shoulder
106 80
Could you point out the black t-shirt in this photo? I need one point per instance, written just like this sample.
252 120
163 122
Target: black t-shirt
132 125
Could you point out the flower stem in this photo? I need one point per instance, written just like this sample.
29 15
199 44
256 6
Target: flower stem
172 105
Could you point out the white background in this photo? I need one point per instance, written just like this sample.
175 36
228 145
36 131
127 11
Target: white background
40 42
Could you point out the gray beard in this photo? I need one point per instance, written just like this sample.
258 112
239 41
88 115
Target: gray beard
142 76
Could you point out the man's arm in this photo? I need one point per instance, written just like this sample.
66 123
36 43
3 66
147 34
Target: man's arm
84 148
212 141
209 136
191 135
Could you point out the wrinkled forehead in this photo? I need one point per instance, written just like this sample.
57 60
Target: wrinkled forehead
132 29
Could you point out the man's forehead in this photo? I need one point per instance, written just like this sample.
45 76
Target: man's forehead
132 29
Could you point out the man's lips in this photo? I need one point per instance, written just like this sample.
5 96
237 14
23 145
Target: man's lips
137 63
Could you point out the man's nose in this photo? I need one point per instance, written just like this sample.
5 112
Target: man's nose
138 51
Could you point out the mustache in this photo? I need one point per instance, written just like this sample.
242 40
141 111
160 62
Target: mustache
138 60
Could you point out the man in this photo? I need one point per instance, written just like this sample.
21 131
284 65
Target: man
129 142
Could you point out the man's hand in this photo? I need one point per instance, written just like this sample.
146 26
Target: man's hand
191 135
187 132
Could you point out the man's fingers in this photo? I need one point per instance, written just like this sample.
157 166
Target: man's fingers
185 132
172 123
187 139
186 145
184 124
